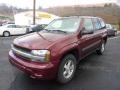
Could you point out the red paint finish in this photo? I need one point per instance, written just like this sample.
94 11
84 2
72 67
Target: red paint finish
58 44
35 70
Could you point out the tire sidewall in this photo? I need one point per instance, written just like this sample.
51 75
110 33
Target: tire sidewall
115 33
6 32
61 79
100 52
103 43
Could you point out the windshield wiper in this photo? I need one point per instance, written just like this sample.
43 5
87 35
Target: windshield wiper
59 31
54 30
46 30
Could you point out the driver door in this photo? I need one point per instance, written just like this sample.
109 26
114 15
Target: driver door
87 40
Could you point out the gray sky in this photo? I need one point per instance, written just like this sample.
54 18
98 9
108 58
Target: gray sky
118 2
51 3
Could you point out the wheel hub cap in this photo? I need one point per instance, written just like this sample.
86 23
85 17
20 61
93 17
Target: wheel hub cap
68 69
103 47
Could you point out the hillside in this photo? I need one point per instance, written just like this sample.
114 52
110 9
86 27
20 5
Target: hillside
110 13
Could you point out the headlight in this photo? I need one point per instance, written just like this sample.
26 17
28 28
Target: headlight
43 54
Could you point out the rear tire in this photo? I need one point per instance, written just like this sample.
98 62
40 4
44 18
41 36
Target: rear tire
6 34
67 69
115 33
101 50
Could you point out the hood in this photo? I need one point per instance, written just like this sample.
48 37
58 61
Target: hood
39 40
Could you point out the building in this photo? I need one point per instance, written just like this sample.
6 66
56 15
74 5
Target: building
26 18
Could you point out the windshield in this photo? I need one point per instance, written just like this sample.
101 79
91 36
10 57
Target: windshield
69 25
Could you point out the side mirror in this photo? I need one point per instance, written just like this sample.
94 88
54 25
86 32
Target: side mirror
84 32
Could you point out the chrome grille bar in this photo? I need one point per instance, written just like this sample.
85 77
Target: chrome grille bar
27 55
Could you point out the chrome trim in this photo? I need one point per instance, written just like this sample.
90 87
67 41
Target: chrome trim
27 55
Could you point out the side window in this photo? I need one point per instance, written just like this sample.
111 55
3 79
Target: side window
11 26
88 25
17 26
97 24
102 23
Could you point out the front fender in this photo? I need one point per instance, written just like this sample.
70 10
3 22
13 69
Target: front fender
68 48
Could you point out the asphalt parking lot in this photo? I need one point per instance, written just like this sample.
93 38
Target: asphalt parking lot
94 72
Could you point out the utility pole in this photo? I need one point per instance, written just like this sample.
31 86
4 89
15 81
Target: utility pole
34 11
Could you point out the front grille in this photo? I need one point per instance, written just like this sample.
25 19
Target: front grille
22 49
22 57
25 53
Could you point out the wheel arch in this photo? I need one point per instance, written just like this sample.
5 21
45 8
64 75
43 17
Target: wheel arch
6 31
73 51
105 39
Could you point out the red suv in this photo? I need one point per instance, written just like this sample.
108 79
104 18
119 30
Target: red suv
55 51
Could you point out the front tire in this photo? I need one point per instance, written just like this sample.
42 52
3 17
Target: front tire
67 69
6 34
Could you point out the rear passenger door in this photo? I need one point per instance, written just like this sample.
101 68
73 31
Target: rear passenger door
88 41
97 31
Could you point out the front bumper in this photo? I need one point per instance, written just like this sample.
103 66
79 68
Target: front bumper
34 69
